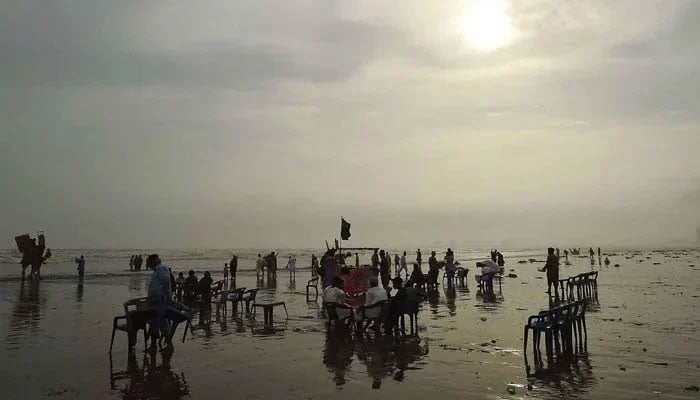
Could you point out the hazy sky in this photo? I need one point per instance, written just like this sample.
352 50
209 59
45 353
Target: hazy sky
259 123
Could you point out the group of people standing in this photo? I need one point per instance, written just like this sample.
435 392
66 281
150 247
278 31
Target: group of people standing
135 262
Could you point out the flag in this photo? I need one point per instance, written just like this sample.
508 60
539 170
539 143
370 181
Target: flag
344 229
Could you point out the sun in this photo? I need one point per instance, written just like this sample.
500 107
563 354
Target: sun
486 25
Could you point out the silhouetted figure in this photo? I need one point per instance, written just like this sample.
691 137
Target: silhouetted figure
402 265
433 269
375 260
419 258
260 266
552 269
314 265
226 270
292 267
159 296
494 256
204 289
417 278
81 266
500 260
233 265
607 261
384 269
557 252
190 285
566 254
599 253
180 285
397 263
357 260
395 305
591 252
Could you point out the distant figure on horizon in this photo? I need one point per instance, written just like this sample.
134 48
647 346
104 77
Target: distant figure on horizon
403 266
314 266
566 254
494 256
233 264
179 285
375 260
552 269
190 284
419 258
433 269
397 263
292 267
591 252
131 263
599 254
225 272
81 266
260 265
607 261
384 269
557 252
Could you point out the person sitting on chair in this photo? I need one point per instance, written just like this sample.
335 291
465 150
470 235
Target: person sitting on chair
417 278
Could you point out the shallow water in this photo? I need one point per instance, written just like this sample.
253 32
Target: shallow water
643 343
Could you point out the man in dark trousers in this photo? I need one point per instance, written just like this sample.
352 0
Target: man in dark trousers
552 269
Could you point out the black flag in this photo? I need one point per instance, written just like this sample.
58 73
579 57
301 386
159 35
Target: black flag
344 229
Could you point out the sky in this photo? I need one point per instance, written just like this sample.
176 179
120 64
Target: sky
225 124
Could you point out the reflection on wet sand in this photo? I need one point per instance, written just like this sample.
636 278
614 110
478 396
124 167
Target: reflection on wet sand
562 380
153 381
26 314
384 356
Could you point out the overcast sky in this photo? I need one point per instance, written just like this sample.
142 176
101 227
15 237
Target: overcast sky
259 123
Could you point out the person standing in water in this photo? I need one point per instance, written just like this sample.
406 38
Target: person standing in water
552 269
403 266
260 265
292 267
81 266
419 258
397 262
159 296
233 265
225 272
314 266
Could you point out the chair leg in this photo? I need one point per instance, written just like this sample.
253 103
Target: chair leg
111 343
526 330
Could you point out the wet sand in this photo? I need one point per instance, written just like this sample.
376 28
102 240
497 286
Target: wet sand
642 342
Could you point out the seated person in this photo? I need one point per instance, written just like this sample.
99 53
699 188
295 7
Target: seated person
374 295
334 294
417 278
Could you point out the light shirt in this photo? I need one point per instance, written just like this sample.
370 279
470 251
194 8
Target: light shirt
159 289
292 264
403 262
374 295
489 266
259 263
333 294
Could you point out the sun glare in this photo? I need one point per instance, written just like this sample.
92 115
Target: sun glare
486 25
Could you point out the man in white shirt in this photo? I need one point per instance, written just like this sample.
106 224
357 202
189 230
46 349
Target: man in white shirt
402 265
160 295
334 294
259 264
374 295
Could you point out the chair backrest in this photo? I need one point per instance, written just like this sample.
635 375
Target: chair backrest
252 293
137 304
313 281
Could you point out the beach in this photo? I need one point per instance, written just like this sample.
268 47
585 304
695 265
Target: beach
642 336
